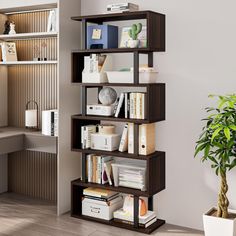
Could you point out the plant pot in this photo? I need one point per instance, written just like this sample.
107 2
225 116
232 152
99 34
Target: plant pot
215 226
133 43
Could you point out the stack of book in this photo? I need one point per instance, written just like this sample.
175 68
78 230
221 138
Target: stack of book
145 221
99 169
131 105
122 7
100 203
132 178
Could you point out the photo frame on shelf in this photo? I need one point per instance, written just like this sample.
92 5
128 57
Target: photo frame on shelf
8 51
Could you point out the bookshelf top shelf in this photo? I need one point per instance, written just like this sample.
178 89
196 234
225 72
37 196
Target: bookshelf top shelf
135 15
9 37
95 85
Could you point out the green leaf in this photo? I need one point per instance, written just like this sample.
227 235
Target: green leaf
207 149
199 148
216 132
227 133
233 127
213 159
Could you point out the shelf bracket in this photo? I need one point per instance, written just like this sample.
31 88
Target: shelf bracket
136 140
136 67
150 203
84 32
84 100
83 167
136 211
150 59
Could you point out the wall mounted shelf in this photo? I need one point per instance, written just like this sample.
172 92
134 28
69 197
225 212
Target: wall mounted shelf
20 36
28 63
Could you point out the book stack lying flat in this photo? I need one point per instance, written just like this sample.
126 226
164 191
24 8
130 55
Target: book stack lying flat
122 7
132 178
100 203
99 169
131 105
145 221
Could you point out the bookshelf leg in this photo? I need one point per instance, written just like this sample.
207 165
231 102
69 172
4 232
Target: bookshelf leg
84 33
83 167
150 59
136 67
84 100
136 211
150 203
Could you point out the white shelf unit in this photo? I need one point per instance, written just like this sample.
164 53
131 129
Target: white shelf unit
10 37
28 62
68 163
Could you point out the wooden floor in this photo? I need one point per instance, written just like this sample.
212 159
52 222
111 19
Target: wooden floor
21 216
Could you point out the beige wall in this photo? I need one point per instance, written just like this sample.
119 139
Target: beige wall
199 60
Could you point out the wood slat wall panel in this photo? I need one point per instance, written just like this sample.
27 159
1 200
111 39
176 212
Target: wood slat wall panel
33 174
27 50
30 82
30 21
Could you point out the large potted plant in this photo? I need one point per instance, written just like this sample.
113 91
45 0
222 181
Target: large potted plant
217 144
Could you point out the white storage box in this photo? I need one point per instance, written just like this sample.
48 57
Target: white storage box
128 77
106 142
100 209
95 77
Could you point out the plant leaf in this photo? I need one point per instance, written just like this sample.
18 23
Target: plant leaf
227 133
216 132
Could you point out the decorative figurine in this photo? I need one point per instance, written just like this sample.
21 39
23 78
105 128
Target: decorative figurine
12 28
133 33
7 27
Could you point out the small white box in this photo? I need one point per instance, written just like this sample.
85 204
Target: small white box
128 77
95 77
106 142
99 209
100 110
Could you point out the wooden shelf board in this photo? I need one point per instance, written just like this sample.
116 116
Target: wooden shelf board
119 189
114 50
115 84
19 36
148 230
118 154
114 119
28 62
135 15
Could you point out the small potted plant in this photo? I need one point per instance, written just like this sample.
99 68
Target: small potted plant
133 34
217 143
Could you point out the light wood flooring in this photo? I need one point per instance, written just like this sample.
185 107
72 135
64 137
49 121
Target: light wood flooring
20 216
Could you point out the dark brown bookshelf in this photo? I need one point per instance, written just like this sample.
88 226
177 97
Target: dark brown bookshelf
155 25
155 111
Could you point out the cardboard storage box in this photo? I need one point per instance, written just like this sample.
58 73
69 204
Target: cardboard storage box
100 209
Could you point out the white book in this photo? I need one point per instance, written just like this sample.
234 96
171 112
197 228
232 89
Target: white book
131 138
133 98
50 122
138 105
143 99
108 169
124 215
99 170
89 167
124 140
89 129
121 100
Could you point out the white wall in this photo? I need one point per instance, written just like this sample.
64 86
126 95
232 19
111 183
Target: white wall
199 60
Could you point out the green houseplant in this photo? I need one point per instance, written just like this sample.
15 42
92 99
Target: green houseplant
133 34
217 143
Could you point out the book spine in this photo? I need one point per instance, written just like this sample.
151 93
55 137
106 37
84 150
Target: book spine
131 138
121 100
138 105
131 105
89 168
124 140
143 106
99 170
94 169
126 105
52 123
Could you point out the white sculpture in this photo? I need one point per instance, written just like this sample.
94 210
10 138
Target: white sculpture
12 28
107 96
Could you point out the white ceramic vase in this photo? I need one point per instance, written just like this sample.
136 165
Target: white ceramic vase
215 226
133 43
